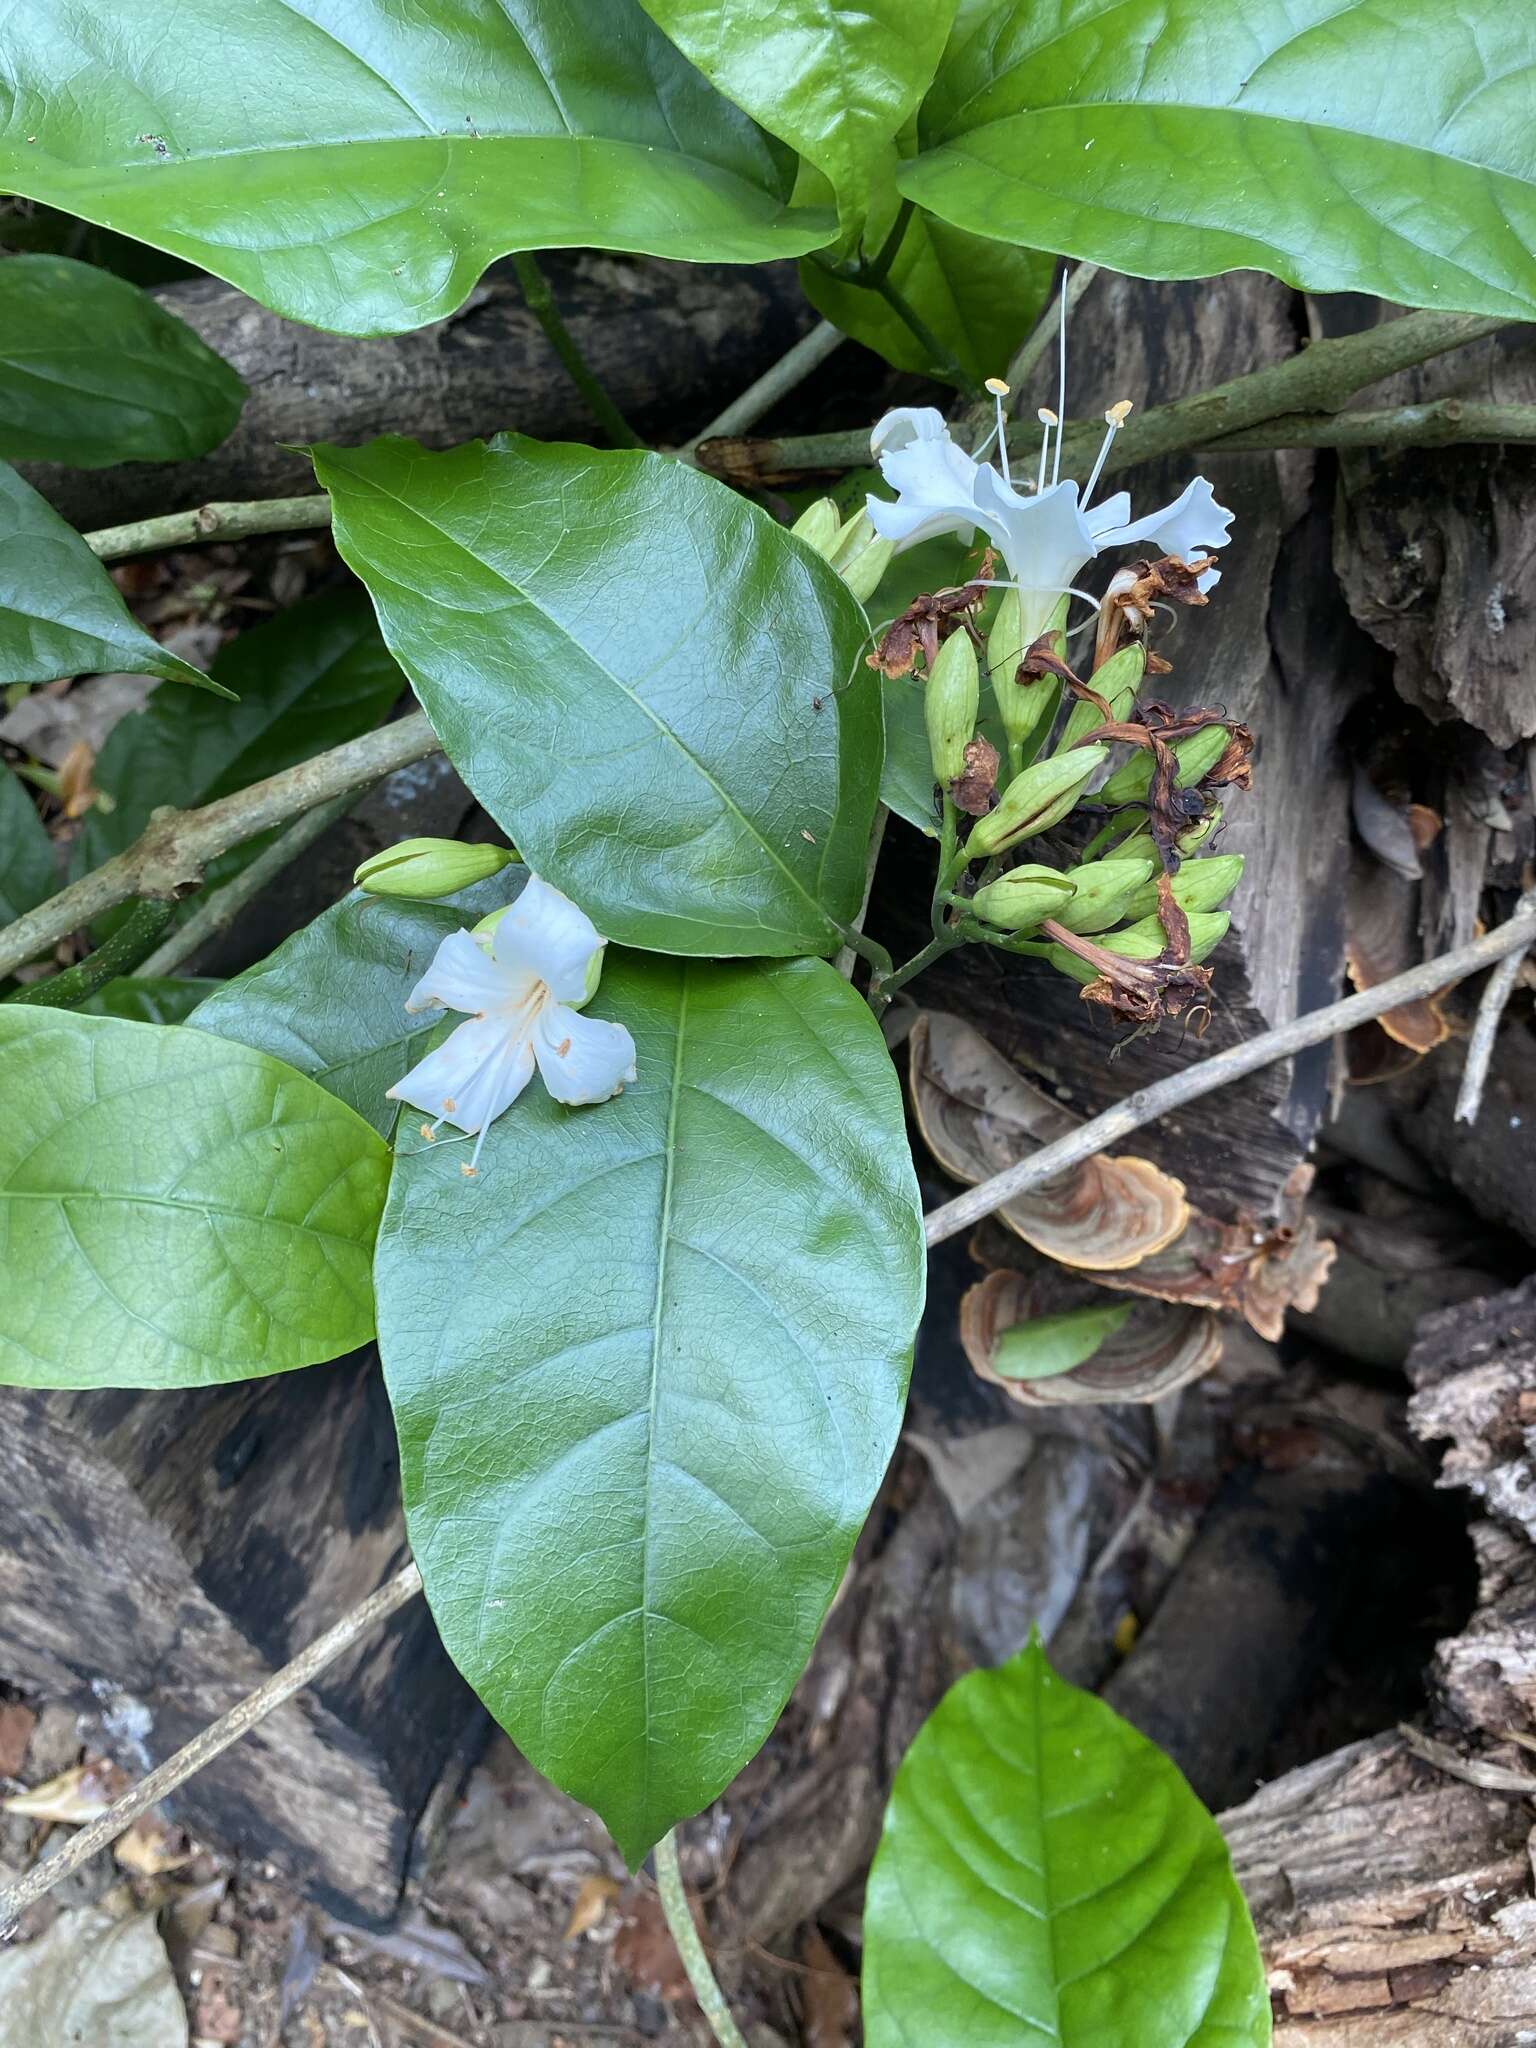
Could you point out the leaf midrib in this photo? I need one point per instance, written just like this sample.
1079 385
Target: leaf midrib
667 731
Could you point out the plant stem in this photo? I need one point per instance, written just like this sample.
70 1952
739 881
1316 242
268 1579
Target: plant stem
230 519
881 262
808 354
219 911
541 304
949 827
168 857
118 955
942 359
943 942
218 1736
674 1903
1308 389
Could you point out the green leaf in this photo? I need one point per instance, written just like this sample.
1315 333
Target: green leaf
1045 1873
1048 1345
28 870
978 296
152 999
835 79
1341 146
331 1000
647 1370
94 371
60 614
655 690
312 677
175 1211
357 165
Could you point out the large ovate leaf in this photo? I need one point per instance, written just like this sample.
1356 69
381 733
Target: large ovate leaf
28 871
356 164
331 999
1338 144
151 998
316 675
94 371
175 1210
654 689
1045 1874
60 613
647 1369
835 79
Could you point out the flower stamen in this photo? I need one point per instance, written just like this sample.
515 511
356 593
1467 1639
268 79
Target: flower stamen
1061 379
1047 419
999 391
1114 420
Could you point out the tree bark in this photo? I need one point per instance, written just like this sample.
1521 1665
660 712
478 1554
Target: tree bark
671 342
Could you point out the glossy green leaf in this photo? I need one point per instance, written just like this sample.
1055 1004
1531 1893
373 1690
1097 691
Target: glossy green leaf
331 1000
356 164
175 1211
151 998
1047 1345
835 79
647 1370
655 690
93 371
60 614
1045 1874
1338 144
979 297
28 870
312 677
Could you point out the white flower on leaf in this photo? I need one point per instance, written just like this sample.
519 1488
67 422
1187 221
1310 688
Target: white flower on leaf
523 983
1045 535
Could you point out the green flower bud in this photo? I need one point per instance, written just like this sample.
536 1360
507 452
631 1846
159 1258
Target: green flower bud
951 695
818 526
1022 616
860 556
1034 801
1117 682
1146 941
1101 890
1200 885
1023 899
421 869
1196 756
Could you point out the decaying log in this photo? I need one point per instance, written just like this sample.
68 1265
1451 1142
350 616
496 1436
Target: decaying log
1276 649
1491 1162
671 342
161 1554
1392 1883
1385 1277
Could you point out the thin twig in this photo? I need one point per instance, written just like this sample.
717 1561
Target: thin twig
1223 1067
1318 380
230 519
120 954
792 368
212 1742
1497 992
219 911
168 857
674 1903
541 304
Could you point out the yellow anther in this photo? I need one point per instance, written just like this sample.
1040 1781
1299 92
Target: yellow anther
997 387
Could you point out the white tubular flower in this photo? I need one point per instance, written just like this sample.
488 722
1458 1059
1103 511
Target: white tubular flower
523 986
1047 535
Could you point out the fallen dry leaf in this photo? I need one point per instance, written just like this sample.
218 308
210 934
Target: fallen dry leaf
16 1725
594 1898
75 1796
829 2004
152 1846
644 1949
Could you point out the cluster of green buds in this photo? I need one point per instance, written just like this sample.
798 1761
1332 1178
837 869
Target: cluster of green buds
851 545
421 870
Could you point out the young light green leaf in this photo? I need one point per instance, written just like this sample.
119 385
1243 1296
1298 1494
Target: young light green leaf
834 79
1048 1345
357 166
1045 1874
1340 146
655 690
60 614
331 1000
647 1369
151 998
94 371
28 870
175 1211
312 677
